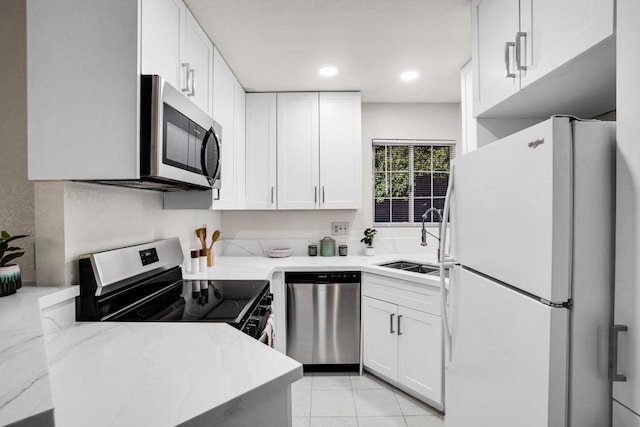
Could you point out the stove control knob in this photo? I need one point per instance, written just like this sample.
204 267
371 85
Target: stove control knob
262 310
251 329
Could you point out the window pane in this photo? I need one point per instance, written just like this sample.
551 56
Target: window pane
382 208
400 184
399 158
422 184
422 159
420 206
381 185
441 159
400 210
440 183
379 158
438 202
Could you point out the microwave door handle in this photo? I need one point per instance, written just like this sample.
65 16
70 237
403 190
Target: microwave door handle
203 155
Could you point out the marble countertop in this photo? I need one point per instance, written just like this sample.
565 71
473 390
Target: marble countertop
160 374
260 267
25 388
149 373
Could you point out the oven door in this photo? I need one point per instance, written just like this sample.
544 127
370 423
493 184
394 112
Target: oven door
164 305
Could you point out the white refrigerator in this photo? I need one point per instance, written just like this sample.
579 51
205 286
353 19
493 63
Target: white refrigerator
529 295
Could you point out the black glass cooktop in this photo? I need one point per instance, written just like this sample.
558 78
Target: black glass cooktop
199 301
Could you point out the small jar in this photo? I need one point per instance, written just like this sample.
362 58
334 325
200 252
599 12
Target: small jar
195 261
313 250
343 250
203 260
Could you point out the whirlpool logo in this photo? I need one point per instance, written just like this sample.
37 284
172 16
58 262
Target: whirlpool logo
534 144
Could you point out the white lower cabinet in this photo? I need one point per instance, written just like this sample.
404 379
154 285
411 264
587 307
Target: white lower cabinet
403 344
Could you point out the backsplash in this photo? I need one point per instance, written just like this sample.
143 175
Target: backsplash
256 247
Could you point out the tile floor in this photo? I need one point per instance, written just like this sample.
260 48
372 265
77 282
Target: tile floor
350 400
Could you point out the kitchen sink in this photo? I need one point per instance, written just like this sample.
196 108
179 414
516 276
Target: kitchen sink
413 267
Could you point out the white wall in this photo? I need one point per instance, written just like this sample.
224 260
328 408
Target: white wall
74 218
16 193
410 121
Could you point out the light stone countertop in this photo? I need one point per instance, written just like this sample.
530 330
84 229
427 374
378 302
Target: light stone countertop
256 267
149 373
25 389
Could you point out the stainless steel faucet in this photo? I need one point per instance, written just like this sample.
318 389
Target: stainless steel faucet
424 230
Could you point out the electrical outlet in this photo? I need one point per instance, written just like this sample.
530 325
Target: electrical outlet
339 228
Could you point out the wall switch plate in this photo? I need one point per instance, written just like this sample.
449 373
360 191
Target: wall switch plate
339 228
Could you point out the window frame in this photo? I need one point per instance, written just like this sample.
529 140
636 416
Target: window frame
411 143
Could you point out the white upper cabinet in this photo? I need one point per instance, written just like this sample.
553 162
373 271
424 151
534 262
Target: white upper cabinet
175 47
261 151
340 150
228 111
298 151
561 30
161 28
239 119
197 63
495 26
319 150
536 58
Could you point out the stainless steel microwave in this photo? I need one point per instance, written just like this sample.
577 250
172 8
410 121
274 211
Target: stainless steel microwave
179 143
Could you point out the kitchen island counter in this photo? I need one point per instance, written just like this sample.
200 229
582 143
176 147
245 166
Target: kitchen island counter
92 373
165 374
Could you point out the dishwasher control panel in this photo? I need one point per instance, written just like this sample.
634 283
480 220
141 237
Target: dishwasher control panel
323 277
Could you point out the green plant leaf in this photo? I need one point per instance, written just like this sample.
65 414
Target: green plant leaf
4 261
12 238
4 235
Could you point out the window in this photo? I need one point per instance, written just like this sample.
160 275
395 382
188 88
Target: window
409 177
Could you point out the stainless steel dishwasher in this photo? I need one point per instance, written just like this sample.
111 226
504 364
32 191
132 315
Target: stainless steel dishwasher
323 317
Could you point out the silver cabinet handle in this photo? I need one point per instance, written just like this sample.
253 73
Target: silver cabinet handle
185 65
272 188
507 69
192 74
323 194
315 194
519 60
399 332
613 353
391 331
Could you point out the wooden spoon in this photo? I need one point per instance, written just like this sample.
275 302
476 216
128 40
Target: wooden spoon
202 235
214 238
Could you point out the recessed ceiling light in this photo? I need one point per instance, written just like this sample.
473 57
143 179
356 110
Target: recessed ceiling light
328 71
407 76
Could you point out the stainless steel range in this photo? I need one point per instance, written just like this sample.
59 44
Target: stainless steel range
144 283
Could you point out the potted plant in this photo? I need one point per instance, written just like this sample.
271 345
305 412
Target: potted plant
10 280
369 234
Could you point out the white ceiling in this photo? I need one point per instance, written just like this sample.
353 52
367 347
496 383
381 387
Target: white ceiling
279 45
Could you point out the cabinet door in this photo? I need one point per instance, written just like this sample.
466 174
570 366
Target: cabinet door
260 157
340 150
420 353
558 31
162 26
298 150
239 113
494 23
380 339
223 113
198 53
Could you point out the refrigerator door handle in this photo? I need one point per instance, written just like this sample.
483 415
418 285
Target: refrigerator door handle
442 243
613 353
